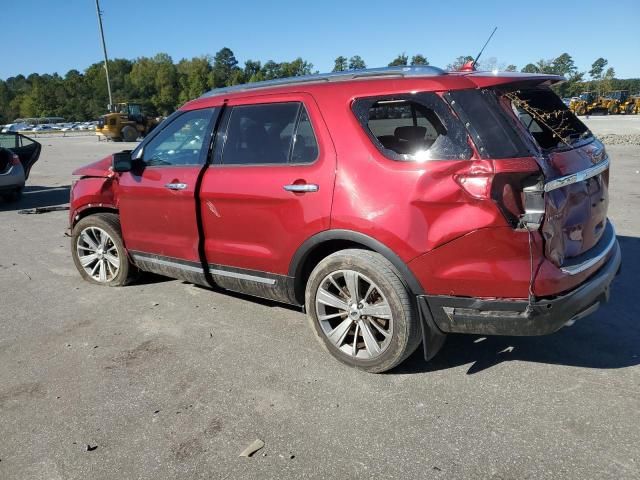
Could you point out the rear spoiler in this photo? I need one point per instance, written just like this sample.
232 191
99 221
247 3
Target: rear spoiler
490 79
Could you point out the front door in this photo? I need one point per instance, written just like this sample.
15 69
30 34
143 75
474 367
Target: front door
157 199
270 187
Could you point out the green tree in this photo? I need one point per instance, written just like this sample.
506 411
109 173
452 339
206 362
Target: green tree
597 68
511 68
597 71
224 66
419 59
530 68
271 70
564 65
296 68
252 71
607 80
357 63
193 78
155 81
400 60
340 64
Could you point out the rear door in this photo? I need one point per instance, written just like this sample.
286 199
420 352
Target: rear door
157 199
269 189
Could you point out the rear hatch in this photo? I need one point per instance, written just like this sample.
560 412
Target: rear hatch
525 118
575 167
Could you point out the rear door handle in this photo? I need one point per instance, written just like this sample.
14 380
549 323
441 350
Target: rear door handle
176 186
302 187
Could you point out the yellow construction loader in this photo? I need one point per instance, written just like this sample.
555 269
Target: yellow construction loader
125 122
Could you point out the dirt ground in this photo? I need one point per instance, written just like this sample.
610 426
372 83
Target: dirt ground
163 379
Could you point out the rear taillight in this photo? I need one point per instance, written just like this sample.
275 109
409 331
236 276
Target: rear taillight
478 186
520 198
15 160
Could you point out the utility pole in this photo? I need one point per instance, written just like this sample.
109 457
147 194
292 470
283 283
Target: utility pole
104 49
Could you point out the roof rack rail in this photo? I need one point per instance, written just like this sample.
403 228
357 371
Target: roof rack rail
403 71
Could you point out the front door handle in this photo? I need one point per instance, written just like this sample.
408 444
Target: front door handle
302 187
176 186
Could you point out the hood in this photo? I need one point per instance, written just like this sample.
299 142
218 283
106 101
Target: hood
101 168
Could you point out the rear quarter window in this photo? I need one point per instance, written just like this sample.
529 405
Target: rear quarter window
413 127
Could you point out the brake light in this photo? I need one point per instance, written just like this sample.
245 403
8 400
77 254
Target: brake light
478 186
15 160
520 198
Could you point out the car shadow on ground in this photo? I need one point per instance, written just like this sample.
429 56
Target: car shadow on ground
608 339
35 196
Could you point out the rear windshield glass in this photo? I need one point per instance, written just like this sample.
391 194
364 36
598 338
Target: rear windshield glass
547 118
416 127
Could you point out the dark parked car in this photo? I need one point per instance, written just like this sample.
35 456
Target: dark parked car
18 153
396 205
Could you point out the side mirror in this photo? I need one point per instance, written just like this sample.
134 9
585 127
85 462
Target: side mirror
121 161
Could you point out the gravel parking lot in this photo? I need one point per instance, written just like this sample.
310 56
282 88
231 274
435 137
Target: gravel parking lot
164 379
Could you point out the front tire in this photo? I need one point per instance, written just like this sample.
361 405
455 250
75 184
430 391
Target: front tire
361 311
98 251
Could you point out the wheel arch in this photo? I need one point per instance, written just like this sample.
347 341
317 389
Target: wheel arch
322 244
87 210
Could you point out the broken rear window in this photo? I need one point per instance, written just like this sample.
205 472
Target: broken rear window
547 118
417 127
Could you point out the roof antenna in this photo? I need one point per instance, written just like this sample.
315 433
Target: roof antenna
473 65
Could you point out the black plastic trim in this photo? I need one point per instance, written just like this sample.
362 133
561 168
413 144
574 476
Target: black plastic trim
518 317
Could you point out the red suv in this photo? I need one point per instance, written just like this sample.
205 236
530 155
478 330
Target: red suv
396 205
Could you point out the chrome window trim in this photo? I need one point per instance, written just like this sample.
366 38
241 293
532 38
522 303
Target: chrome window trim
577 177
587 264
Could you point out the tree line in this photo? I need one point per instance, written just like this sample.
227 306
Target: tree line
161 85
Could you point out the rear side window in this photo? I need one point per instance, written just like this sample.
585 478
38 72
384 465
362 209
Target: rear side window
416 127
278 133
492 131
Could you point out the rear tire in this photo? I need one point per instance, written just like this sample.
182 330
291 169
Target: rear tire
361 311
129 134
98 251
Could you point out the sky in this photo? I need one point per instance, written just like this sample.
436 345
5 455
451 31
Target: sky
44 36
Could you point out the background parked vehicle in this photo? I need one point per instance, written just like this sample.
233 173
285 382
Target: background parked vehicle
18 153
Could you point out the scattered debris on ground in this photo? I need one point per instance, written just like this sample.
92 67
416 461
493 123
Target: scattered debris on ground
253 447
39 210
91 448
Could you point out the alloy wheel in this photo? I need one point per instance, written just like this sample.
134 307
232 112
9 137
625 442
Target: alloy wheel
354 314
98 254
